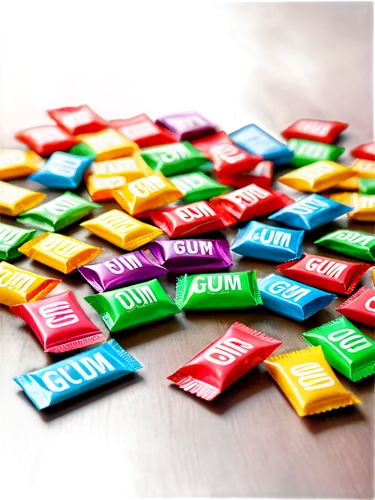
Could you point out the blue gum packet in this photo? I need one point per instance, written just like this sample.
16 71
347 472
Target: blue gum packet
292 299
76 375
256 141
62 171
265 242
310 212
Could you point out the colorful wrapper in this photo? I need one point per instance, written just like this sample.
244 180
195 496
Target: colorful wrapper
364 168
360 307
317 177
366 186
196 186
58 213
172 159
101 188
224 361
109 144
356 244
82 149
142 130
291 299
364 151
265 242
306 152
18 285
351 184
132 168
314 130
256 141
77 375
11 238
146 194
126 269
193 218
333 275
133 305
122 230
218 291
47 139
364 205
190 256
262 176
345 348
16 163
310 212
78 120
59 323
187 126
308 382
59 252
14 199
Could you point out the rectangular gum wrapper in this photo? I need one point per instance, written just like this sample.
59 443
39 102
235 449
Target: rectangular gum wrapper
122 230
77 375
15 199
360 307
363 205
308 382
346 348
357 244
11 238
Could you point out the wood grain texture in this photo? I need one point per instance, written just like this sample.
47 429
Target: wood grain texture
248 444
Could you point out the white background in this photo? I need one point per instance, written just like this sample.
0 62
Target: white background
44 65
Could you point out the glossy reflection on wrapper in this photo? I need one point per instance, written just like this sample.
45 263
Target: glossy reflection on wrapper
356 244
16 163
187 126
364 168
173 159
11 238
101 188
363 205
364 151
314 130
306 152
197 186
78 120
14 199
132 168
47 139
109 144
360 307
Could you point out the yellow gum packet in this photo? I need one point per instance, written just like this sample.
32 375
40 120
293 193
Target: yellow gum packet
363 205
59 252
14 199
317 176
132 168
101 188
364 168
146 194
308 381
18 286
108 144
17 163
350 184
122 230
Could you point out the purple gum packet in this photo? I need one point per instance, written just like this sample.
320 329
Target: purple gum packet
126 269
192 255
187 126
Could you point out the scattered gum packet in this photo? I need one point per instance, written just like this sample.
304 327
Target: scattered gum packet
133 305
218 291
59 252
122 230
292 299
59 323
309 382
108 144
47 139
131 167
356 244
317 177
187 126
364 151
364 168
76 375
58 213
224 361
78 120
346 348
101 188
16 163
197 186
314 130
360 307
11 238
363 205
15 199
306 152
261 175
18 285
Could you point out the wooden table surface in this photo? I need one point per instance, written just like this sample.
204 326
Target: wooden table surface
248 444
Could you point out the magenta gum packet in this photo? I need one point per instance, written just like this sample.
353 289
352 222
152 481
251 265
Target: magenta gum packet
126 269
192 255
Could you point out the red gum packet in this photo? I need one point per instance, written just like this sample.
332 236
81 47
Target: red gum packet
314 130
364 151
59 323
332 275
193 218
47 139
78 120
142 130
227 157
360 306
251 201
262 176
224 361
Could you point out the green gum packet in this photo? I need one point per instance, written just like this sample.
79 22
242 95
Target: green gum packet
11 238
196 186
58 213
366 186
353 243
133 305
175 158
82 149
218 291
345 347
306 152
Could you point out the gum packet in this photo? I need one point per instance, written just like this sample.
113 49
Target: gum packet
197 186
187 126
16 163
131 167
363 205
14 199
262 176
306 152
101 188
364 151
364 168
314 130
11 238
142 130
47 139
356 244
360 307
108 144
78 119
